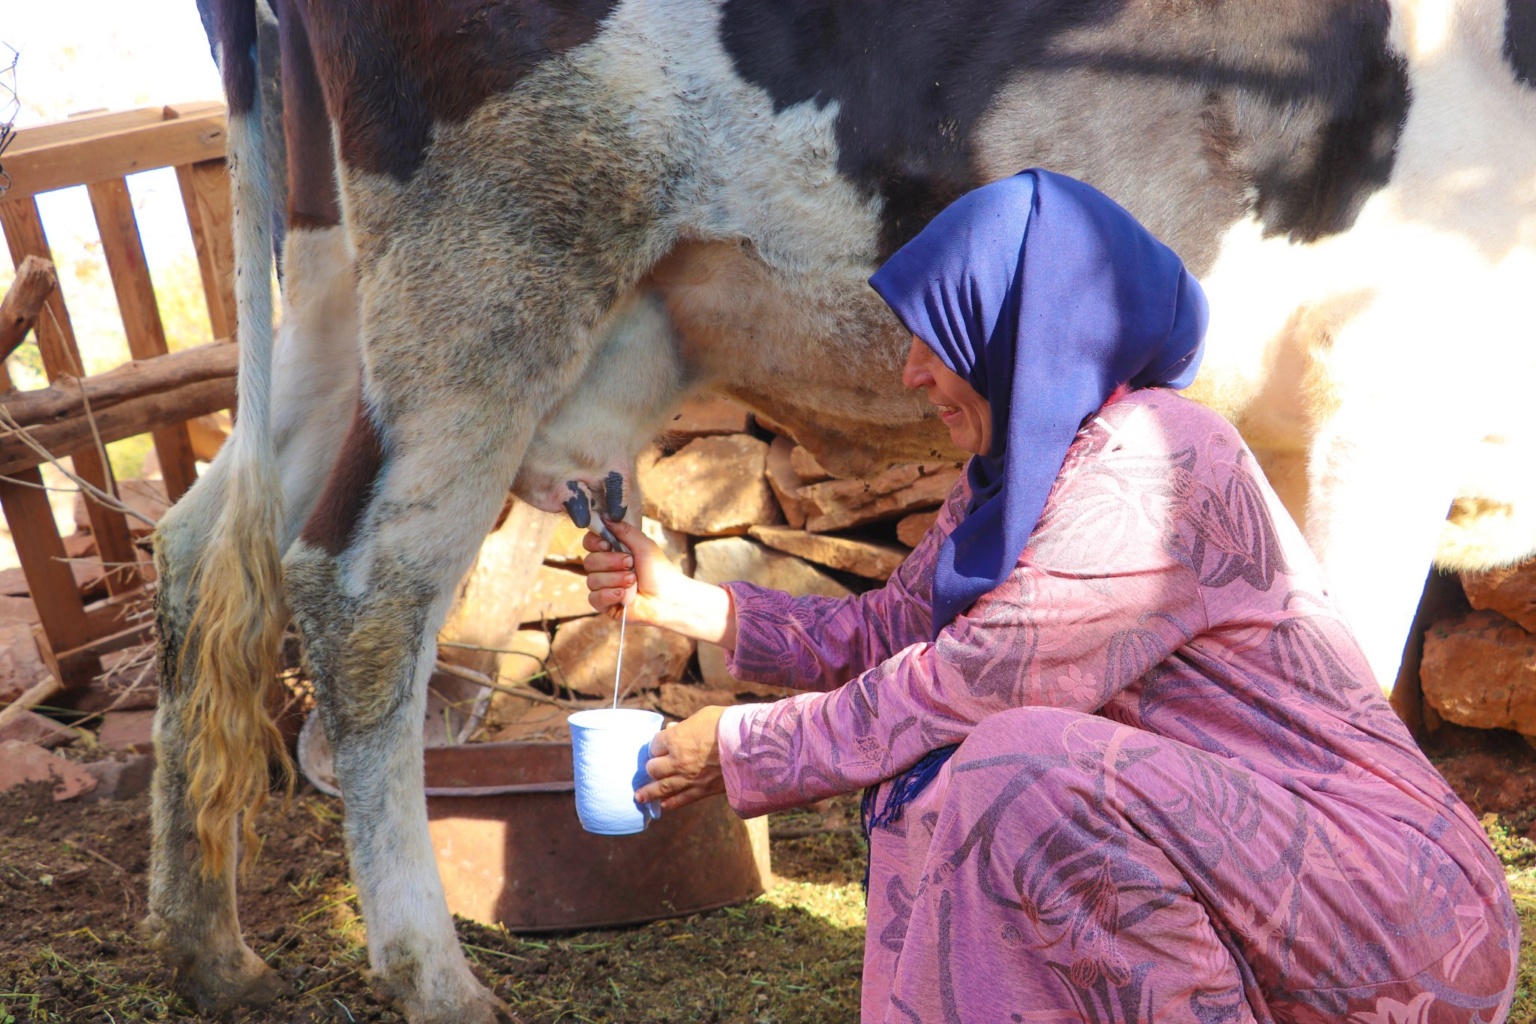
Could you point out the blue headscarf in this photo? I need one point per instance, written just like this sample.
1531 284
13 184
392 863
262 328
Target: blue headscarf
1045 295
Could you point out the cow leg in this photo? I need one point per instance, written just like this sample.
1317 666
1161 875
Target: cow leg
192 916
1381 475
369 582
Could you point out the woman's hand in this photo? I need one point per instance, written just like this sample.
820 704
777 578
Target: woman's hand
685 762
656 591
637 579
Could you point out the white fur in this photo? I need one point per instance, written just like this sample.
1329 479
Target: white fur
1386 356
316 369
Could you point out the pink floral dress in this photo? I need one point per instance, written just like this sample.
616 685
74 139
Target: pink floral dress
1179 794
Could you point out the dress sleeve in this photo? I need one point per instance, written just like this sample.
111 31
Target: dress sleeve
1101 596
816 643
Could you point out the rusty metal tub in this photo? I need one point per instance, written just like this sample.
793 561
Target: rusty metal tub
503 823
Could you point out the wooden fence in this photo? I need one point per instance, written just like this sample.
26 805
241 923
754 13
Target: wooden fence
156 393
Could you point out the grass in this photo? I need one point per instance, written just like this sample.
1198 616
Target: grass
1523 885
69 952
1518 855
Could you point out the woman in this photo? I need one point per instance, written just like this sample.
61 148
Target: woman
1131 765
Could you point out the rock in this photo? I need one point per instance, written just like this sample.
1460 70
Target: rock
673 543
31 727
1480 670
585 652
502 591
900 490
911 529
732 558
40 730
736 558
80 545
556 595
860 557
565 548
1510 591
785 482
523 657
209 433
704 417
455 708
89 578
120 780
128 730
147 497
683 699
806 466
128 683
772 425
21 666
17 610
713 487
513 719
21 763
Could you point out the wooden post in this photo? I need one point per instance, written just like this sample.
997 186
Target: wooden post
60 611
23 300
124 251
24 234
205 194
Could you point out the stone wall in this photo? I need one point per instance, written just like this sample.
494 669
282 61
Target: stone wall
728 498
1479 666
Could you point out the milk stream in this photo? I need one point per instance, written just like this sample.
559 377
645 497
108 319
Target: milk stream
619 669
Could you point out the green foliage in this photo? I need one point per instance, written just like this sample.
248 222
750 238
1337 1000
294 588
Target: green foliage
127 456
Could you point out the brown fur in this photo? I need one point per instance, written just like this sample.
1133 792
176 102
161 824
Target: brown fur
391 71
331 525
312 199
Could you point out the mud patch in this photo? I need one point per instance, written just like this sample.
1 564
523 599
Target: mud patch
72 891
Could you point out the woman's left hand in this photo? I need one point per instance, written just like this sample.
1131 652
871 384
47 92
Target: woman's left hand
685 762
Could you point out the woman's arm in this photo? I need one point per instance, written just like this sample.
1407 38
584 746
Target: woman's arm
656 592
1049 643
1104 593
802 642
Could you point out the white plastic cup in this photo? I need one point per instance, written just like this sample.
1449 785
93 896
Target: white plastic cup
609 748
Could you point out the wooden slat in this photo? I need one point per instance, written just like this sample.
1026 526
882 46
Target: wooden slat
59 607
86 151
136 304
25 236
85 125
205 194
60 610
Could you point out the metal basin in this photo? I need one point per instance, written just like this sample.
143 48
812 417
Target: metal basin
511 852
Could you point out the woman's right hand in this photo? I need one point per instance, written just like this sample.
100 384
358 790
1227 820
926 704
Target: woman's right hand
616 579
656 592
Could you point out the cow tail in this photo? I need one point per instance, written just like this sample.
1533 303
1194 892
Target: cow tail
236 628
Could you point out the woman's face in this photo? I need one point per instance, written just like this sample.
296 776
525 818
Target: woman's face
967 415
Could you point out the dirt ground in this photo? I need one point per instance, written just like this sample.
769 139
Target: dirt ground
72 890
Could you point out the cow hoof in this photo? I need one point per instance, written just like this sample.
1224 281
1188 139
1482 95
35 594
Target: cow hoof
481 1008
216 988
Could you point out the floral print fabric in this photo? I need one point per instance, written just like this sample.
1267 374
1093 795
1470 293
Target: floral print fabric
1179 794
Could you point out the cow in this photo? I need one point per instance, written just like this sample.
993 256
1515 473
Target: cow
520 232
